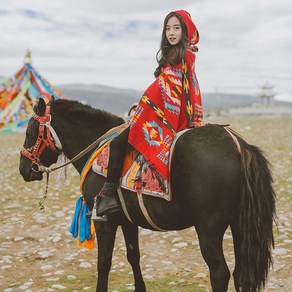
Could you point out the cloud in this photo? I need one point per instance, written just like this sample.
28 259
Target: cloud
242 43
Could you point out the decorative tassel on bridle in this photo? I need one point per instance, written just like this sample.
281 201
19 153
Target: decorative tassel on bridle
62 174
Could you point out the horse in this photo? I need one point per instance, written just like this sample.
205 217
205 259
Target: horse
214 186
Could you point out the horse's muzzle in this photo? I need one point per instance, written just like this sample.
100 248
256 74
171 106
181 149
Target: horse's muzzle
30 175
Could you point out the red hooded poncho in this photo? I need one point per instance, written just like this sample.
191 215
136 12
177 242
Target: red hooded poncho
170 104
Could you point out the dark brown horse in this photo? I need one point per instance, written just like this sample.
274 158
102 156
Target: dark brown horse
213 187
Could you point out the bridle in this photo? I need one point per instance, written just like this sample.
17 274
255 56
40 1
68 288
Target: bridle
47 138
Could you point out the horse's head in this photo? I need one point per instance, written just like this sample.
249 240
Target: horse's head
39 148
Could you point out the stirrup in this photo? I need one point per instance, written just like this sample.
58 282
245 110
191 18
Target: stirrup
94 216
98 218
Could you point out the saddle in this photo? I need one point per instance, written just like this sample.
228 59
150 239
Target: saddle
137 175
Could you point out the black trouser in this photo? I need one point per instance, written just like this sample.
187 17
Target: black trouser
118 150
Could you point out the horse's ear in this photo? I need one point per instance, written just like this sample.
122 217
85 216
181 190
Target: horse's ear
52 97
41 107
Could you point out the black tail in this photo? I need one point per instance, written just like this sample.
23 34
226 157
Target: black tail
257 213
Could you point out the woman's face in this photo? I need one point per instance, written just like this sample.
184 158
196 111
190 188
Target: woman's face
173 30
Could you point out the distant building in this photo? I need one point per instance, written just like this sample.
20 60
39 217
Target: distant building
267 94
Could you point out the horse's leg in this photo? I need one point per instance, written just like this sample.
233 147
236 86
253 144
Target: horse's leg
210 239
130 232
105 234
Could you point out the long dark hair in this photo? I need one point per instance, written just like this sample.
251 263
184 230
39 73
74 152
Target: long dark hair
168 53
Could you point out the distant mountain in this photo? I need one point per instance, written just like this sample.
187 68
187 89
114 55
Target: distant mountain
118 101
224 101
114 100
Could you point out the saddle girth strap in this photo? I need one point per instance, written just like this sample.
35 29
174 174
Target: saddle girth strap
234 138
145 212
142 207
123 204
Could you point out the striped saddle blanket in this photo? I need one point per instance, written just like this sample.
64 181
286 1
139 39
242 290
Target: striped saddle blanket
137 174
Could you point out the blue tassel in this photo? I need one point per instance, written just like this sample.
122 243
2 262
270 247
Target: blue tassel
85 230
81 225
75 225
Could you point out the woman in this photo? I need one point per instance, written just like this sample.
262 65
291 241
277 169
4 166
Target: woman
170 104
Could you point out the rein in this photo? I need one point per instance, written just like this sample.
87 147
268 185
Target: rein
47 137
52 141
92 146
39 205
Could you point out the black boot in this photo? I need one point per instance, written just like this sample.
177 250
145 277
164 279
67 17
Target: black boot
108 201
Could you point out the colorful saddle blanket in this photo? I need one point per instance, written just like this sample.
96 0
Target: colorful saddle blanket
137 174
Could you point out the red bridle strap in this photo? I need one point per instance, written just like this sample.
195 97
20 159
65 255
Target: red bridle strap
45 138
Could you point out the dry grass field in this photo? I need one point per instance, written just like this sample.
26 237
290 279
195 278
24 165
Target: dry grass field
39 254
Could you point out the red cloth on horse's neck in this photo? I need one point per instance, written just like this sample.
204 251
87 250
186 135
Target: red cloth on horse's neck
163 111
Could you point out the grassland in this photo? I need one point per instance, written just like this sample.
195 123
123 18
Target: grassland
39 254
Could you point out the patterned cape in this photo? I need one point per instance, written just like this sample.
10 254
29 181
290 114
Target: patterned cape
170 104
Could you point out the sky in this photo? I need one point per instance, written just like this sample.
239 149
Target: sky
243 44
